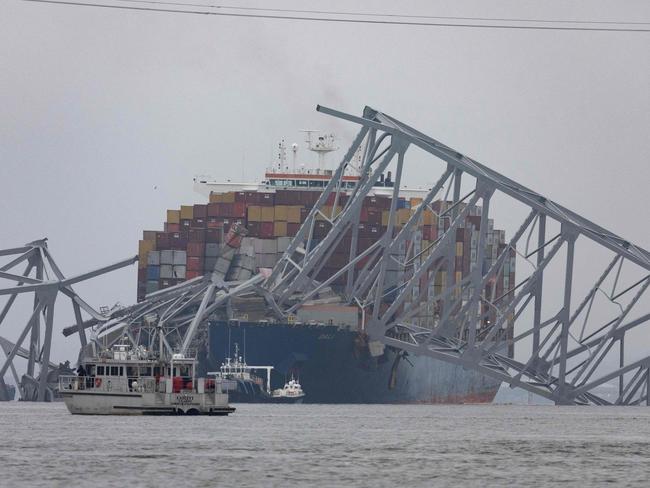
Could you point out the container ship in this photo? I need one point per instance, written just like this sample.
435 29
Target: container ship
324 344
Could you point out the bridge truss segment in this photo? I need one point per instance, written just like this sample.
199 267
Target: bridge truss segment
570 344
41 277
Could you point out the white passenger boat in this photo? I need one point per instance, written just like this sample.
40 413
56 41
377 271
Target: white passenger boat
291 393
129 381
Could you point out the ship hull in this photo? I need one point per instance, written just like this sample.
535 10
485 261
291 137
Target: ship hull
335 366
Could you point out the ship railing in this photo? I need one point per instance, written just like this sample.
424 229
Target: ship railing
134 384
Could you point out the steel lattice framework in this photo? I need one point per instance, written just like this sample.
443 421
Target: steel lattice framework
42 278
571 351
571 347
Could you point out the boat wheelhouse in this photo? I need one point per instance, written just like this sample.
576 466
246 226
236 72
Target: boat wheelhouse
131 381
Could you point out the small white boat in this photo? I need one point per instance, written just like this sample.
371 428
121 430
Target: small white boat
291 393
130 382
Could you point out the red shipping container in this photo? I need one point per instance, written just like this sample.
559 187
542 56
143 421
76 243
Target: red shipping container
190 274
283 197
214 223
267 199
266 230
200 211
214 210
252 197
292 229
196 235
240 197
374 217
195 249
363 216
303 214
253 229
239 209
142 276
194 263
213 235
172 227
186 224
198 223
162 240
178 243
225 209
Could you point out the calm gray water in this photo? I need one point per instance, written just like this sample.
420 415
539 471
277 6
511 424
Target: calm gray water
329 445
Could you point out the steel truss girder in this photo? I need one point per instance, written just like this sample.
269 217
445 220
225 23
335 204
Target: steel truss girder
570 354
45 284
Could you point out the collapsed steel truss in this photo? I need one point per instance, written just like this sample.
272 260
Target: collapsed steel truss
571 349
43 278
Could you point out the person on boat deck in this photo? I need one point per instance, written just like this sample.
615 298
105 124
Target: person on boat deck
81 370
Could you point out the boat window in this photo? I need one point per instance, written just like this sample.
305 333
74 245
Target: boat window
100 370
145 371
131 371
114 370
90 370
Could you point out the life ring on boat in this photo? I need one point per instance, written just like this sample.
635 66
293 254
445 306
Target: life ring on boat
98 382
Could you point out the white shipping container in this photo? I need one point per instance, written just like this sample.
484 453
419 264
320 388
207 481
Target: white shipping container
166 271
179 271
212 249
180 257
167 257
153 258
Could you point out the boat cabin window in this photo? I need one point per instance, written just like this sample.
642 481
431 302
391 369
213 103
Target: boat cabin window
145 370
90 370
100 370
116 370
131 371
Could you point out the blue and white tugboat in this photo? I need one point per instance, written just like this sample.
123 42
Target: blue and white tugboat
131 381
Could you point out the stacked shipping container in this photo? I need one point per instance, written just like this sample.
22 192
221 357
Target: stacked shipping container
189 245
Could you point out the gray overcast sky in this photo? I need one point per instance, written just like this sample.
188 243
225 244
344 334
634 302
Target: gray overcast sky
106 115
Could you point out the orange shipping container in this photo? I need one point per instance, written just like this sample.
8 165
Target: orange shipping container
187 212
228 197
143 250
267 214
216 197
293 214
280 229
173 216
254 213
149 235
281 213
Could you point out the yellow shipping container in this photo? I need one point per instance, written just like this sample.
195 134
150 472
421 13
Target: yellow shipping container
215 197
228 197
281 213
293 214
149 235
187 212
384 217
403 215
143 250
428 217
280 229
173 216
415 202
268 214
459 249
254 213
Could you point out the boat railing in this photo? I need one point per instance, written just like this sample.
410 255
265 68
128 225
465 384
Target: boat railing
110 384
